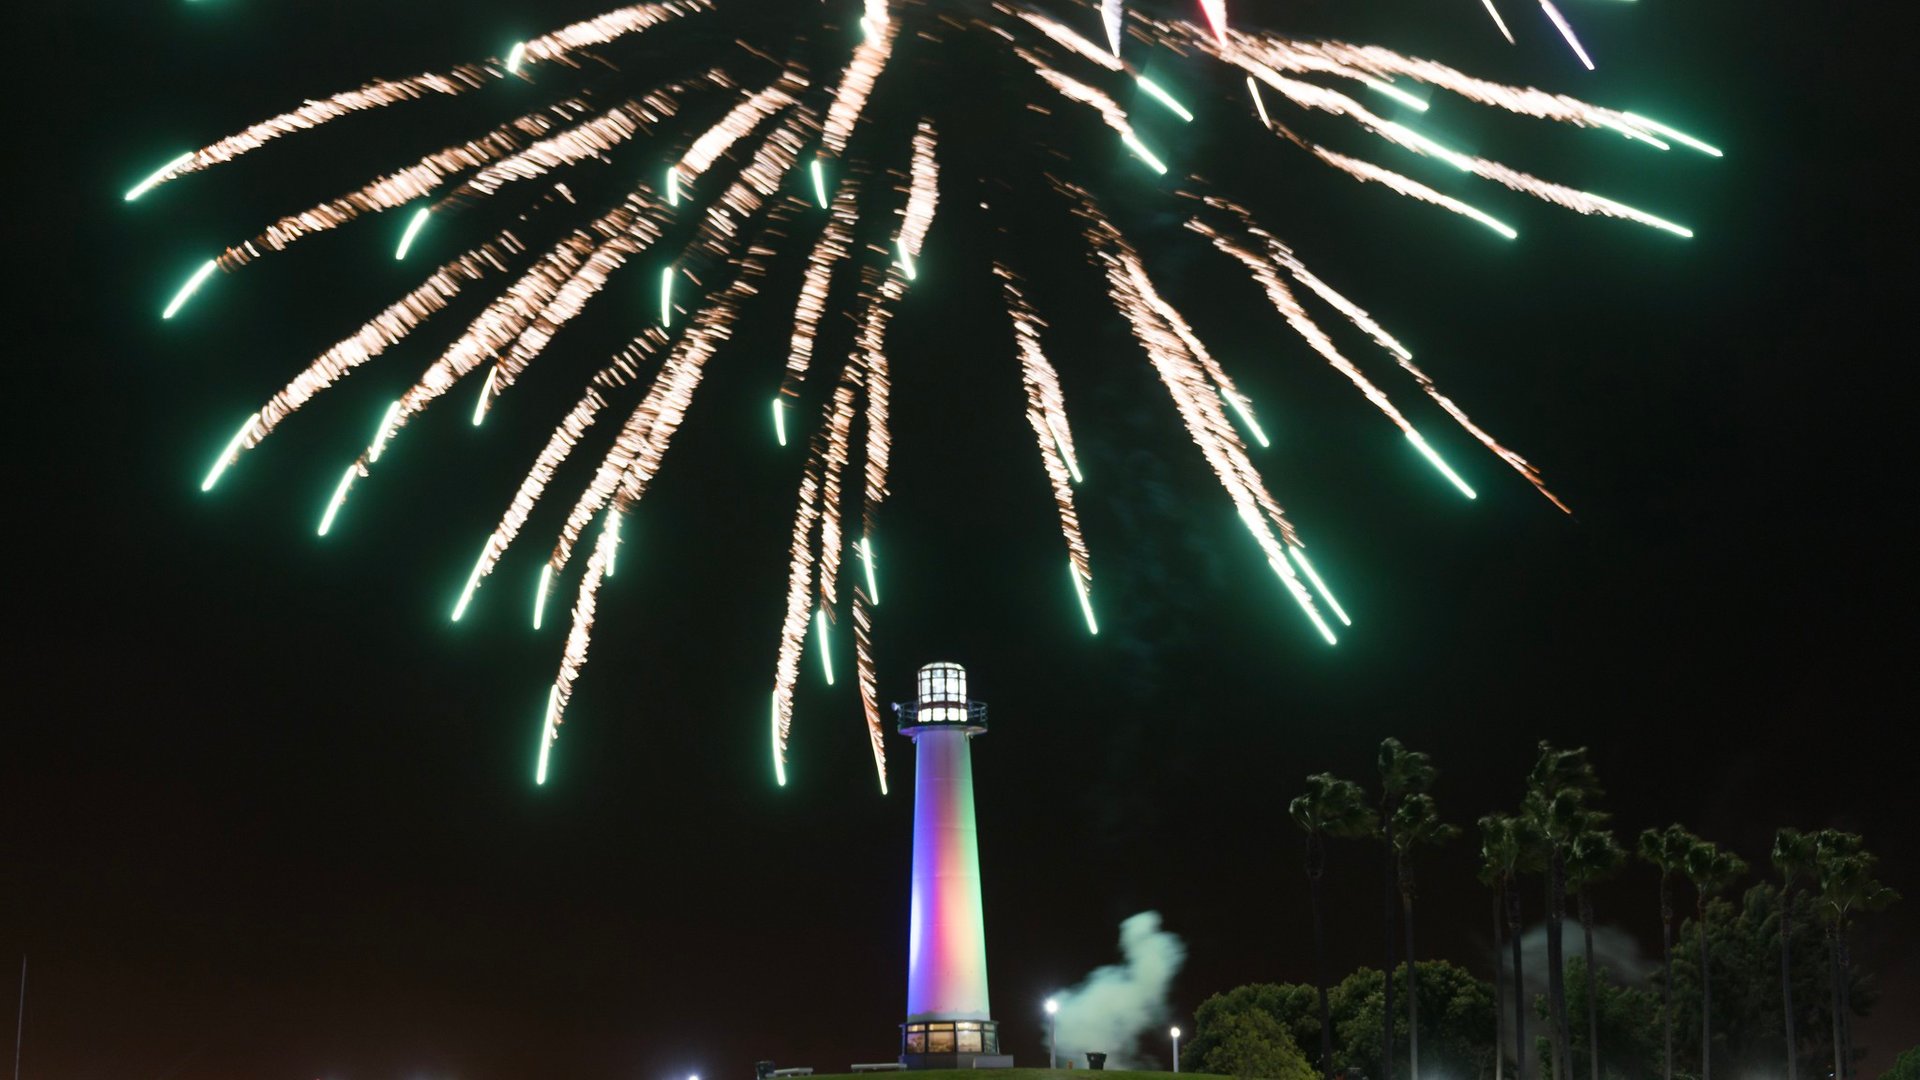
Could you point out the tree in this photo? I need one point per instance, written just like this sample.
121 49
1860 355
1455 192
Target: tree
1793 855
1847 887
1666 849
1558 789
1403 772
1504 846
1593 857
1416 823
1905 1067
1711 870
1627 1022
1338 808
1252 1044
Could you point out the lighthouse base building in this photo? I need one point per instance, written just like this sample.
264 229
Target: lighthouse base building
949 1023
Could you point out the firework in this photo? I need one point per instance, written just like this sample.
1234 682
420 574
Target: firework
796 167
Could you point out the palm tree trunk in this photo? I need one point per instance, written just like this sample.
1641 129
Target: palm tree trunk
1786 980
1413 995
1666 960
1499 995
1833 983
1706 998
1320 967
1393 894
1593 987
1519 985
1556 972
1846 1001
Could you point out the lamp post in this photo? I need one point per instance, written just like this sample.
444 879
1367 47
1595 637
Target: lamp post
1053 1010
1176 1049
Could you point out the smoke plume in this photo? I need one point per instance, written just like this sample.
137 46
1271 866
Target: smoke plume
1110 1009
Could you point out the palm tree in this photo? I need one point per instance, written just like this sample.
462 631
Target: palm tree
1847 886
1593 857
1711 869
1667 849
1329 807
1793 855
1403 772
1504 844
1417 822
1558 788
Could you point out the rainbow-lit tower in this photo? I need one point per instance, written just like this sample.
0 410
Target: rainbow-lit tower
949 1025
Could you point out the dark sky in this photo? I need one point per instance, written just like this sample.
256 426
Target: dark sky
265 813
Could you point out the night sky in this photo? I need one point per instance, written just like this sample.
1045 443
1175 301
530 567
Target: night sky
264 812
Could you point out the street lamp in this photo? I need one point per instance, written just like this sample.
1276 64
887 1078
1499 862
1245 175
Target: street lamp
1176 1049
1053 1010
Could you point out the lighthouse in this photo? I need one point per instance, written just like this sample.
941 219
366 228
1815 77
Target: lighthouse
949 1023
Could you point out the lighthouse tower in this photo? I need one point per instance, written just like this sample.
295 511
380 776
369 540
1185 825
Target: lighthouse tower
949 1024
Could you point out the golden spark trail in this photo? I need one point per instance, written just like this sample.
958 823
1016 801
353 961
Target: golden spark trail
1197 401
1110 111
384 92
1283 300
400 188
640 446
834 245
1047 415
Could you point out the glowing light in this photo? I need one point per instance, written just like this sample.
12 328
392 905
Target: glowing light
546 735
1246 417
486 395
779 764
158 175
515 55
826 652
473 582
779 422
1160 94
540 594
413 229
906 258
383 433
192 286
1300 597
819 183
1086 602
1498 21
339 496
1566 31
228 455
1446 470
666 296
1134 144
1676 135
1299 557
613 541
673 185
1052 1006
866 558
1397 94
1259 103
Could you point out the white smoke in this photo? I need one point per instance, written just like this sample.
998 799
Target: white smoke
1110 1009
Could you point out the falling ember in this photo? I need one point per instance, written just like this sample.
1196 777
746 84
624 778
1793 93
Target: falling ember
1566 31
1300 559
232 452
826 651
192 286
339 497
1498 21
1086 603
413 230
866 559
857 261
1446 470
540 593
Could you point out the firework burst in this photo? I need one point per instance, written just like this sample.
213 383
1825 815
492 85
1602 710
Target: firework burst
763 153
